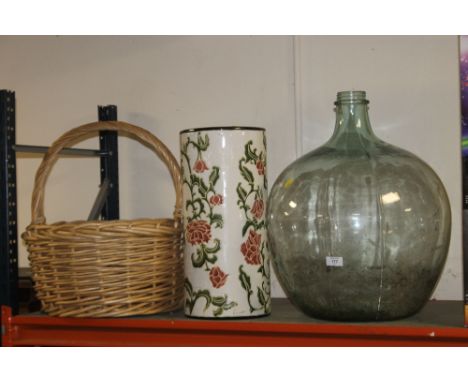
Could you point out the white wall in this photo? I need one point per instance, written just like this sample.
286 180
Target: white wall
285 84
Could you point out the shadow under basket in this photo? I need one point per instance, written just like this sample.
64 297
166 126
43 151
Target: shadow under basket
106 268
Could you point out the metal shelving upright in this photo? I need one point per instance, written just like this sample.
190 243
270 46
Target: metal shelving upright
106 204
8 215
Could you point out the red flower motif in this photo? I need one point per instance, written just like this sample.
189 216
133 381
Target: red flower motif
198 231
200 166
217 277
260 167
216 200
251 248
257 208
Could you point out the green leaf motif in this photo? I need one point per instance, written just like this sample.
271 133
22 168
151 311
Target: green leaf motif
205 254
216 248
246 173
250 155
199 259
188 287
230 305
219 300
214 176
261 296
241 192
246 226
211 259
260 193
203 143
245 280
195 180
205 293
217 220
202 188
201 205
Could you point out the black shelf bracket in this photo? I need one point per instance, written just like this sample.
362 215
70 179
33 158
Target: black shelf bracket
65 151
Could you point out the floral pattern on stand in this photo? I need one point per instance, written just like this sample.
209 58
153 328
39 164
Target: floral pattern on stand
202 220
251 200
220 303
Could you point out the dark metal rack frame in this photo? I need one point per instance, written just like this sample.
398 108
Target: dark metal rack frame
8 210
106 203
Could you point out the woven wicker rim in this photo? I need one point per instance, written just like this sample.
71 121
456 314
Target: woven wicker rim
82 132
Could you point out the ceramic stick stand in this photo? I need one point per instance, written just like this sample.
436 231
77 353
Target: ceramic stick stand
227 266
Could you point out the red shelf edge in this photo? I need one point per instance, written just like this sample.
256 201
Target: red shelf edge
53 331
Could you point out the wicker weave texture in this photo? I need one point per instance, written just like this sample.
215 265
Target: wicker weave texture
106 268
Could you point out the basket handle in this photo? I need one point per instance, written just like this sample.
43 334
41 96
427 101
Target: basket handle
78 134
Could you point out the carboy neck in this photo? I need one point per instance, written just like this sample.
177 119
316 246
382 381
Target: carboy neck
352 128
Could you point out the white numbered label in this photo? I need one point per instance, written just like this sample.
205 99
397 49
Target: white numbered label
334 261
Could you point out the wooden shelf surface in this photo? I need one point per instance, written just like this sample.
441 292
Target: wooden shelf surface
439 323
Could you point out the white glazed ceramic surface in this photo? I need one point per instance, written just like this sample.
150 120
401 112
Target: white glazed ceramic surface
227 266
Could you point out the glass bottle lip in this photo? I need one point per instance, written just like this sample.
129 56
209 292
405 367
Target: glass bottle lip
351 96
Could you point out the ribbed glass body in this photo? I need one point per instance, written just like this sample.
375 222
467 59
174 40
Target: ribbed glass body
358 229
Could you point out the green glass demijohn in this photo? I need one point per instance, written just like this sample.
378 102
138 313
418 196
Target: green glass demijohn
358 229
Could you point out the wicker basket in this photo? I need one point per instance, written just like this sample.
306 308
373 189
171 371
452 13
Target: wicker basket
106 268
